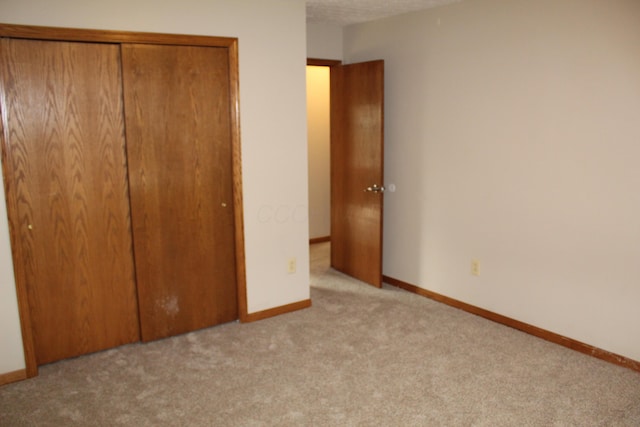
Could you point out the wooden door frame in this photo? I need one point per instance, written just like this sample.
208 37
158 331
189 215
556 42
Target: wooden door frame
121 37
323 62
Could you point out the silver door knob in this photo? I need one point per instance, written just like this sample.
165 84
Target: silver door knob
374 189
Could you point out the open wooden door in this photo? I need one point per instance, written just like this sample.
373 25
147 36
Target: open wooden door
357 158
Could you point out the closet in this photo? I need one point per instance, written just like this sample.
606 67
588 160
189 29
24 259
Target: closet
121 165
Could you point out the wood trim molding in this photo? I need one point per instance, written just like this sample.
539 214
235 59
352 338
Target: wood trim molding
276 311
121 37
521 326
12 377
323 62
319 240
238 207
108 36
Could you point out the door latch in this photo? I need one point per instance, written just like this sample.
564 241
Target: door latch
374 189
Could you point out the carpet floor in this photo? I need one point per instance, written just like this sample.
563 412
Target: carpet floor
359 356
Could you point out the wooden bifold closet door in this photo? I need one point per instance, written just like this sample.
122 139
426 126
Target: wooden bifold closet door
119 168
65 142
178 132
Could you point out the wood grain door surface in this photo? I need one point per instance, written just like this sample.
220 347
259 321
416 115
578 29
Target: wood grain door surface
357 141
65 149
179 156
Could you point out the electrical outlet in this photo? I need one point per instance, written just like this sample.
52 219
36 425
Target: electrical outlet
291 265
475 267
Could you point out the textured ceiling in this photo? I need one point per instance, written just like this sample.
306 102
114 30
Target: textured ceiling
345 12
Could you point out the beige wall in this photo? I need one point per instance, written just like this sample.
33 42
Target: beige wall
324 41
272 102
12 356
318 139
513 136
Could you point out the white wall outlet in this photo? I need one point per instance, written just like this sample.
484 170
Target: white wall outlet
291 265
475 267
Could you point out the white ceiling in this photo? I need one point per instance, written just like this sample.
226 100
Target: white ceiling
345 12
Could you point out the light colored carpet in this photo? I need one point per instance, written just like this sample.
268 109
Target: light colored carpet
359 357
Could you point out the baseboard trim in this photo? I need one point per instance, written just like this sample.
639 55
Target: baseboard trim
319 240
12 377
276 311
521 326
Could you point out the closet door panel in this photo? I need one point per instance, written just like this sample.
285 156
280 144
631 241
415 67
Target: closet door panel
179 156
64 142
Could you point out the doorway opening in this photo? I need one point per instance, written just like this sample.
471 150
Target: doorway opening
319 163
319 151
350 152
